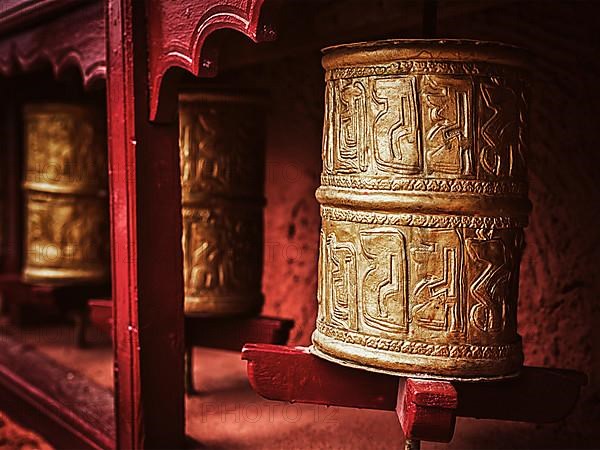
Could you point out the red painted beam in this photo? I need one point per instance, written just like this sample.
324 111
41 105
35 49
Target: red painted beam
538 395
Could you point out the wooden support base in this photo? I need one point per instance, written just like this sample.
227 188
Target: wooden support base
30 304
223 333
426 408
233 332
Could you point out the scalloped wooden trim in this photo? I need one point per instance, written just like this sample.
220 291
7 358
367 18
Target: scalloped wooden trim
75 39
177 35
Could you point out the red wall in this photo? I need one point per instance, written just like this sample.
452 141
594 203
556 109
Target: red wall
559 307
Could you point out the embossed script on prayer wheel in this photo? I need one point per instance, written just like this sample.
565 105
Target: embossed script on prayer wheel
423 202
66 235
222 176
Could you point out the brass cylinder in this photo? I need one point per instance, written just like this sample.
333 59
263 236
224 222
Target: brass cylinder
65 180
221 140
423 202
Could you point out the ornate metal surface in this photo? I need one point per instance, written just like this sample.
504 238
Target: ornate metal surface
423 199
66 239
222 177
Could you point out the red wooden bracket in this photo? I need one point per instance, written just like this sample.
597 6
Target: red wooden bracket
293 374
178 32
426 408
232 333
29 303
222 333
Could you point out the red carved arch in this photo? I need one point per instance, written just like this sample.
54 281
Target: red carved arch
177 32
75 39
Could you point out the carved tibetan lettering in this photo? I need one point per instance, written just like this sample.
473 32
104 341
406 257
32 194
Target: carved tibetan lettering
328 130
500 152
447 125
205 263
396 145
436 268
323 301
222 178
66 238
351 145
493 268
342 270
216 251
384 283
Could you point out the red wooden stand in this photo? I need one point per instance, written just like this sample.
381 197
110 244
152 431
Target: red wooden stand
229 333
426 409
28 303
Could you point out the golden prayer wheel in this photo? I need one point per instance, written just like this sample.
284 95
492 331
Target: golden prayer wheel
221 140
423 202
66 235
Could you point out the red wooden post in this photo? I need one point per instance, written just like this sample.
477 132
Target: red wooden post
147 260
145 188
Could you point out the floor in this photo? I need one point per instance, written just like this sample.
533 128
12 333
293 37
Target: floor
227 414
56 342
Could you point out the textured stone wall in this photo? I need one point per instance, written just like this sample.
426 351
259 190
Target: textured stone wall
292 218
559 308
559 313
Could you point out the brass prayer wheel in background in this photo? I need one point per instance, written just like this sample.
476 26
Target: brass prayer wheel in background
423 202
65 184
222 176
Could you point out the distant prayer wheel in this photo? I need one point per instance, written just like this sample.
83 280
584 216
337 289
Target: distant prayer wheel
222 176
423 202
65 185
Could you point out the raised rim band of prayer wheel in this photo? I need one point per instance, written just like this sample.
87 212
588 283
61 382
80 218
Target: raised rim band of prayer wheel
66 237
423 202
222 154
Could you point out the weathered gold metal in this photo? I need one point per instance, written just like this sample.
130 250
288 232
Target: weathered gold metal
66 237
423 202
222 175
